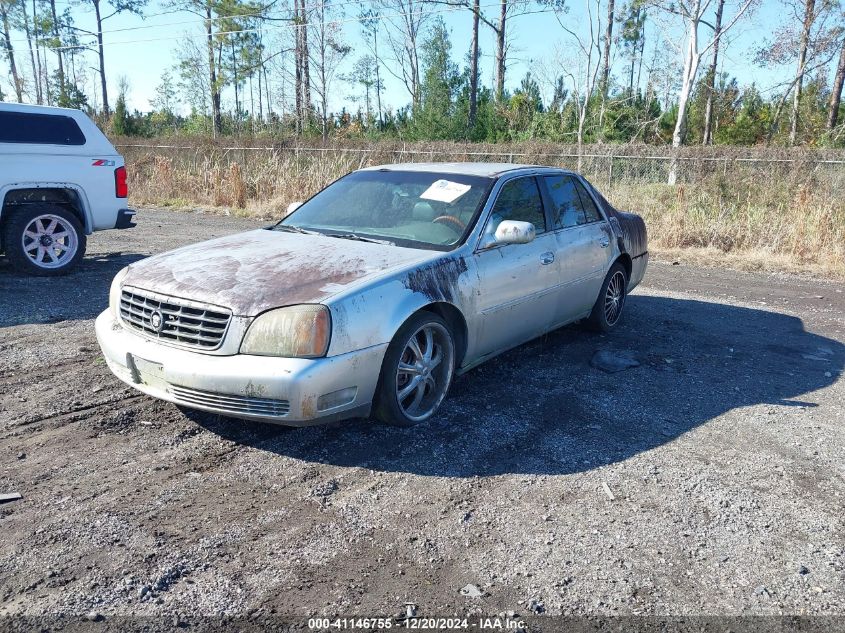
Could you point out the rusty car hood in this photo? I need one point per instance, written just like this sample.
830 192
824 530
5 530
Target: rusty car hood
258 270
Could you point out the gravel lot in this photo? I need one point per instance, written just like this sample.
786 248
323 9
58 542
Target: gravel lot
708 480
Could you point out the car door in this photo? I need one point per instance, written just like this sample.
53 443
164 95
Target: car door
598 236
516 294
581 247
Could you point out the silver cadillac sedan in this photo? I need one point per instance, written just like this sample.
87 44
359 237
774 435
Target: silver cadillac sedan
370 297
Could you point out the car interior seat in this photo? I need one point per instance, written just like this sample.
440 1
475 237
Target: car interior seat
423 212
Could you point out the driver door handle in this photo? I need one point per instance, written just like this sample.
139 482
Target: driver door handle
547 258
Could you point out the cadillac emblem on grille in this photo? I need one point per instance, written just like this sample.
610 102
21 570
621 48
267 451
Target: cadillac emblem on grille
157 321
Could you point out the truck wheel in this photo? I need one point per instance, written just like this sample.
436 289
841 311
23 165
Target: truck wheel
43 239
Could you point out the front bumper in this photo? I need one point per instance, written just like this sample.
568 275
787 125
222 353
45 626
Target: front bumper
290 391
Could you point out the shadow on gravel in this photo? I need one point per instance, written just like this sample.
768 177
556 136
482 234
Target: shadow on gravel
81 294
542 409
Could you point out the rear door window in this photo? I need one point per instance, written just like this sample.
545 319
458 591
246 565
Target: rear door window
590 211
567 210
39 129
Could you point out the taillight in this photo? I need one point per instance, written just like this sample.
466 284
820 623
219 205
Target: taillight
121 189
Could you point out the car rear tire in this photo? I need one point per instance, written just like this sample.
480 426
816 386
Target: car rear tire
43 239
417 371
607 311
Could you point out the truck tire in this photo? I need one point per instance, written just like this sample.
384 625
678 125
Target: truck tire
43 239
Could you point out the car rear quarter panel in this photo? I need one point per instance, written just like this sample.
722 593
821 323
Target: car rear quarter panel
632 238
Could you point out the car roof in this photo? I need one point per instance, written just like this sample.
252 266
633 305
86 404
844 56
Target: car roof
489 170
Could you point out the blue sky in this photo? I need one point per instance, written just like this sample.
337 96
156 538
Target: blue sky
534 38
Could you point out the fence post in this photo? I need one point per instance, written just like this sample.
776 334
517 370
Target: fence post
610 172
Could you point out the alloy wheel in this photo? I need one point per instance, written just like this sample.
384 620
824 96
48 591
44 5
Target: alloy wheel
50 241
614 298
425 371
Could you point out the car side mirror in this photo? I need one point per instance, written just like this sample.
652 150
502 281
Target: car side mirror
293 206
514 232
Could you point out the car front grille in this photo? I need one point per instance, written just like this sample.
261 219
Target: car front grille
235 405
179 321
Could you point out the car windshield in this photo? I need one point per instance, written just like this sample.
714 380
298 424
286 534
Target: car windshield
407 208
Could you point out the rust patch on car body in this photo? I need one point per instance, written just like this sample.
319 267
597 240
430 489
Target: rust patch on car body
252 272
308 407
438 280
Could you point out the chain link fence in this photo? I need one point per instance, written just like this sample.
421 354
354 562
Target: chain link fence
263 169
767 201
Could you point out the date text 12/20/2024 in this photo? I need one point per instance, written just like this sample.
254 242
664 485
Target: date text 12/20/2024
497 623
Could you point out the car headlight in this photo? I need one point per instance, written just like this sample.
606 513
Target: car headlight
114 292
301 331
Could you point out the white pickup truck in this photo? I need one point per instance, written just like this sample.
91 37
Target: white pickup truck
60 180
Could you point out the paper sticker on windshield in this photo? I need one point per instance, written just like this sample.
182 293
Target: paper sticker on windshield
445 191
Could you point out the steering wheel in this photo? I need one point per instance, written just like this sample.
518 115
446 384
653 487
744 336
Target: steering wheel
451 221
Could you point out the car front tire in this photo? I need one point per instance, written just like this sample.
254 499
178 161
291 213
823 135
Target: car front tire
607 311
43 239
417 371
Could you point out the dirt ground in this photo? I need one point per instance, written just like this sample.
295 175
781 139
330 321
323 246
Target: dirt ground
708 480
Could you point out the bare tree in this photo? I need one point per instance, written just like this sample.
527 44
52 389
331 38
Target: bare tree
711 75
299 74
836 92
803 45
28 32
691 14
5 7
508 9
194 76
663 73
114 7
371 26
364 75
477 17
582 69
501 50
214 80
59 52
41 77
302 85
210 11
328 53
805 38
405 21
473 65
632 37
608 40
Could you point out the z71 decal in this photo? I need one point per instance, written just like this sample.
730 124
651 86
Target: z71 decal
101 162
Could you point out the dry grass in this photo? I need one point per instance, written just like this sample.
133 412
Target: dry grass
761 226
764 216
